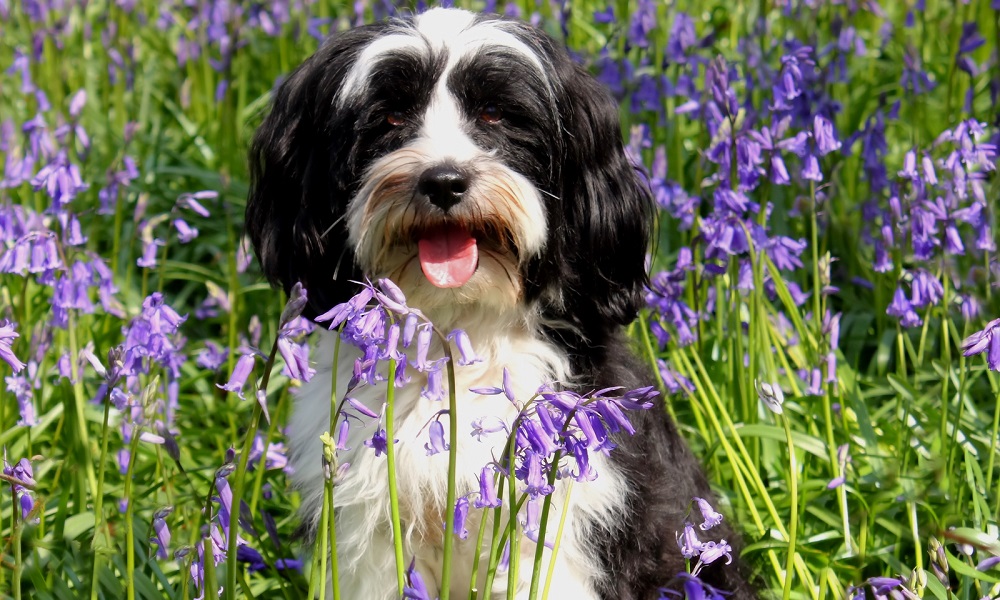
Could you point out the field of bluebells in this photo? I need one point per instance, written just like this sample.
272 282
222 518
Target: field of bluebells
823 309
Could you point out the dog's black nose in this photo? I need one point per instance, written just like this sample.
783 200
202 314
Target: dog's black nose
443 185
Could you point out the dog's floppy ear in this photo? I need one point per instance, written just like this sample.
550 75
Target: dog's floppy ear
301 180
607 207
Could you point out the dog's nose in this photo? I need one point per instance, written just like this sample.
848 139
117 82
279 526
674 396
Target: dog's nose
443 185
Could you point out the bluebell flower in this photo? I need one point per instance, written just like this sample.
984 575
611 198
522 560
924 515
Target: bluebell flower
378 442
24 477
713 551
914 78
605 16
437 442
688 542
461 514
161 532
712 518
415 589
901 308
986 340
642 22
7 337
487 497
238 378
682 38
21 389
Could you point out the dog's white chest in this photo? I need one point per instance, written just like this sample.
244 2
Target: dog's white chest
362 496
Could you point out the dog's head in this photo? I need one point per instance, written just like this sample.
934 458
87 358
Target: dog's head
464 156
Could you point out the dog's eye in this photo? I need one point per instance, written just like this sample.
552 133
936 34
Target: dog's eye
395 118
491 114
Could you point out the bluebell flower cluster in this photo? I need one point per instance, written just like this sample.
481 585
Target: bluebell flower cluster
553 436
702 553
378 321
883 588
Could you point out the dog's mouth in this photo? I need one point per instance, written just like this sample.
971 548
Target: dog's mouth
449 254
450 251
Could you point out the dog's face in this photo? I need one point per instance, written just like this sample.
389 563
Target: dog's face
465 157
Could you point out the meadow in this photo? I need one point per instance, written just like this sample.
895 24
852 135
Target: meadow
823 309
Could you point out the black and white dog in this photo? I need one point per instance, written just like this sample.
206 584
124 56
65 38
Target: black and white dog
470 160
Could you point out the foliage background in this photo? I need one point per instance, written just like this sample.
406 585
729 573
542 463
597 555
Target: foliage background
854 273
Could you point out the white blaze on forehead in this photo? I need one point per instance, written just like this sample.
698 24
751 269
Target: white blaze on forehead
442 136
456 31
439 30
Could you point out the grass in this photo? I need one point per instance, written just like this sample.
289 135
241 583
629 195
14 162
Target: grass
920 496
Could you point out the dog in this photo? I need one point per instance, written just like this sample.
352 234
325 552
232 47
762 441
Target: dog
470 160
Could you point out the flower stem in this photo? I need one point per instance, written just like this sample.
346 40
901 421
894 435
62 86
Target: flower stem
17 527
322 545
334 416
390 455
536 569
99 498
239 475
793 526
449 538
555 544
130 515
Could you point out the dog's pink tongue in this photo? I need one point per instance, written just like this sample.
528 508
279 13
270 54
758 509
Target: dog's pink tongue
448 256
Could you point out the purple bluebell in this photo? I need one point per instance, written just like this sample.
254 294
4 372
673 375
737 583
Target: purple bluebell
437 442
713 551
7 337
185 233
985 340
296 357
901 308
21 389
61 180
487 497
297 300
712 518
914 78
212 356
642 23
461 514
238 378
925 289
22 472
161 532
688 542
378 442
682 38
605 16
415 589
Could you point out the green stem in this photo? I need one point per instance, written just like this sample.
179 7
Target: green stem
536 569
817 284
99 498
16 526
793 527
449 538
996 432
130 514
322 546
555 544
390 455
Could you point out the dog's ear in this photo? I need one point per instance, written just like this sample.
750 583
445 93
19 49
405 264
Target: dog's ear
301 178
607 207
